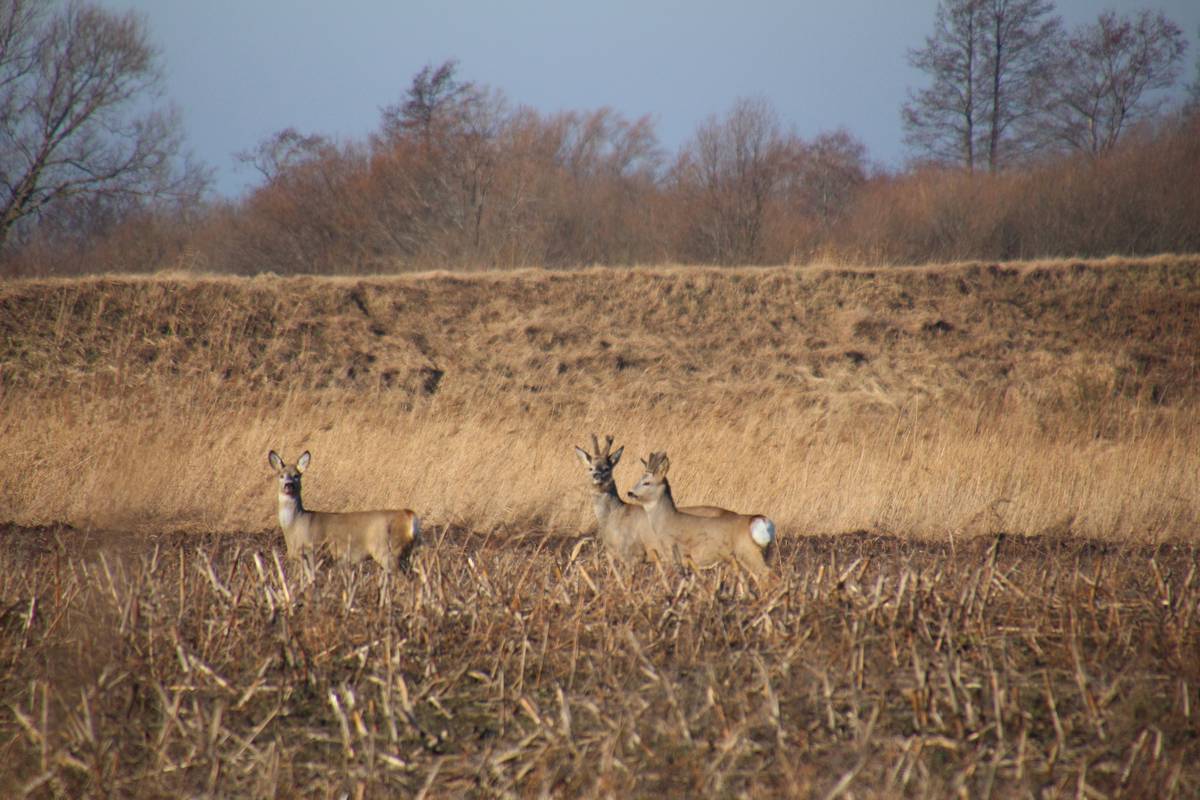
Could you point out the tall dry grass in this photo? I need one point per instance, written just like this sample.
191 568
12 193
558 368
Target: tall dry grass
931 402
192 462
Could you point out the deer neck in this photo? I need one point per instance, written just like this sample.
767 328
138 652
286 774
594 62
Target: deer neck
291 508
605 500
661 507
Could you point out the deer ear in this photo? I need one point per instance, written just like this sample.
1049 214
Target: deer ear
663 465
275 461
615 457
583 456
302 461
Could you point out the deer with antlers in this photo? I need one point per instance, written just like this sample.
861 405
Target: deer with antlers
702 541
624 528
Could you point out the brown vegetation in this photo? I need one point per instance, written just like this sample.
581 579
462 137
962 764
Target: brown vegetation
1016 445
193 665
478 185
930 401
1130 201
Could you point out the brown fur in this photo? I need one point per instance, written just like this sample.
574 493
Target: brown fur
624 528
385 536
702 541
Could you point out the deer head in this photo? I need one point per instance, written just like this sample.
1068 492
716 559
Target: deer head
600 462
653 482
289 476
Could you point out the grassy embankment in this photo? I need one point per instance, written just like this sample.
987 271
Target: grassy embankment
931 402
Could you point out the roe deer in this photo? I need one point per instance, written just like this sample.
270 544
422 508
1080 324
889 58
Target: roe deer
623 527
385 536
703 541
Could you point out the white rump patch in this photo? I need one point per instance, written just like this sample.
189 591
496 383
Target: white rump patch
762 531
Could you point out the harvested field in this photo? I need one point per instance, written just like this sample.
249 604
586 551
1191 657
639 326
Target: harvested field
1006 666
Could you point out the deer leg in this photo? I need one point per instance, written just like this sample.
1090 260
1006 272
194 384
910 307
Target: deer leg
750 556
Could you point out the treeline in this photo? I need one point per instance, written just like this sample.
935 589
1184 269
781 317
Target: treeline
585 188
457 177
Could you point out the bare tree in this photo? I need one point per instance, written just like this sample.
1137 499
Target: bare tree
730 170
941 121
827 172
77 115
1020 38
598 178
989 61
434 98
438 155
283 151
603 143
1109 77
1193 90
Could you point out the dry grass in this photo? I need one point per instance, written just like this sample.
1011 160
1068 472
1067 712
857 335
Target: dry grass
192 665
892 422
934 402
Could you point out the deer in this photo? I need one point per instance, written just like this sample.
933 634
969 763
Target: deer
386 536
624 529
702 541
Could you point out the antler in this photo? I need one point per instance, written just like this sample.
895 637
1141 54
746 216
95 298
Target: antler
658 462
608 443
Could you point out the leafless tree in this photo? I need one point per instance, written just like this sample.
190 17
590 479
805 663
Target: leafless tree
604 143
730 170
1111 77
1193 91
599 178
283 151
989 62
1020 44
941 120
825 174
433 99
79 119
437 158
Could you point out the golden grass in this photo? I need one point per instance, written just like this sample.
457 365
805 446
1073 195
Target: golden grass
184 463
932 402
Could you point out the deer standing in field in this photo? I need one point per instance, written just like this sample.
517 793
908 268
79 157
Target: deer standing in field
702 541
385 536
624 528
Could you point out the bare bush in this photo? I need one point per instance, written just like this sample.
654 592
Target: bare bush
309 218
1130 201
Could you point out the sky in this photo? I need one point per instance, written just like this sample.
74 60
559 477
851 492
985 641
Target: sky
241 70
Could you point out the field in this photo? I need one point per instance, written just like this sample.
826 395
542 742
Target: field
985 478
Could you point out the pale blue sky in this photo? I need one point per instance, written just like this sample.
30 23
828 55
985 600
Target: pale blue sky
240 70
